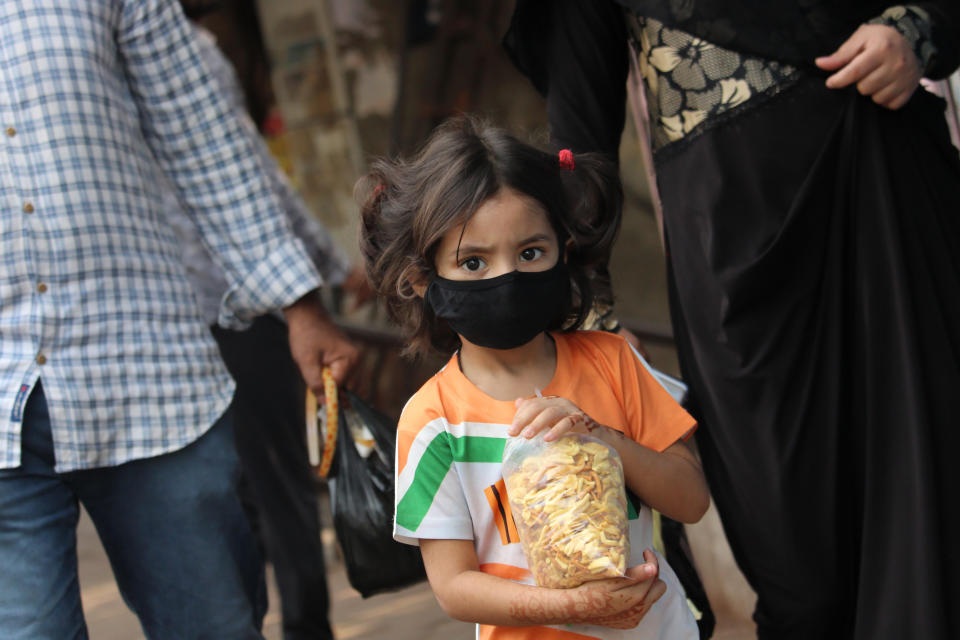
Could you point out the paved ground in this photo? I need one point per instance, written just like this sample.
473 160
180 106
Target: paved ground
411 614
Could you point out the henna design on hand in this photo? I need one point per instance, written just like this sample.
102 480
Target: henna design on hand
592 604
581 419
571 606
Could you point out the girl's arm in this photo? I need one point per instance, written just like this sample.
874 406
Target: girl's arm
671 481
466 593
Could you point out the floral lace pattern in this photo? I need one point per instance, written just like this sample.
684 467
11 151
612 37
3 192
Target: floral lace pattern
689 81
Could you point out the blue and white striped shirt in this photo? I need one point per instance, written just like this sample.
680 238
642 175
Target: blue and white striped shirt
98 99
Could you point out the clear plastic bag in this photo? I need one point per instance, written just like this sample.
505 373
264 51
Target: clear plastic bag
570 507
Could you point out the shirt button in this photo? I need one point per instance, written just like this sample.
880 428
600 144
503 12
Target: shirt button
41 359
11 131
28 207
42 288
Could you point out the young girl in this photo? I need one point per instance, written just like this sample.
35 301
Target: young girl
484 247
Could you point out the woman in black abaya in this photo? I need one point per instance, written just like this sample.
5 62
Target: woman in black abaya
813 242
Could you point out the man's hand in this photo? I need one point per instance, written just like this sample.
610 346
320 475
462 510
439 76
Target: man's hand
879 61
316 342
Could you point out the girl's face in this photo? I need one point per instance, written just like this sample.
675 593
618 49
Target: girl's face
509 232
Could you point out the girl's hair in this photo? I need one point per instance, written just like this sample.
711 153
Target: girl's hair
407 206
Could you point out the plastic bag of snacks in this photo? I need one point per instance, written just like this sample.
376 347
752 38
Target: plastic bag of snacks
570 508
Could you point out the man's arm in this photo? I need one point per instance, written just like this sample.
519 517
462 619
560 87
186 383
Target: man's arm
201 147
210 159
329 259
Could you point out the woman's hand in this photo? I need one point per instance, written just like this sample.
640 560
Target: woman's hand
879 61
559 415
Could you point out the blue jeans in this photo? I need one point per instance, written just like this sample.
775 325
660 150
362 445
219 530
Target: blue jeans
176 535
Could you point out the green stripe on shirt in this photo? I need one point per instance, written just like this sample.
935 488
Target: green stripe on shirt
433 467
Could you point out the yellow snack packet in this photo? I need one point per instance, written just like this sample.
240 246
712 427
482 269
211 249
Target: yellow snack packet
570 506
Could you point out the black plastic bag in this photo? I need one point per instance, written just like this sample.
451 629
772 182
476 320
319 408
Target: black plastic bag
362 504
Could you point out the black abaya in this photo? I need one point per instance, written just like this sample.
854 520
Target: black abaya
814 265
816 303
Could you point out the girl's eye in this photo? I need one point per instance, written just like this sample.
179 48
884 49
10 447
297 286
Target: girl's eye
472 264
530 254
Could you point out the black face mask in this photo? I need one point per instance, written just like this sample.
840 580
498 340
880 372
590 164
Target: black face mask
503 312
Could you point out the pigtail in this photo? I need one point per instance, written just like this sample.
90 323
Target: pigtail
594 195
393 260
371 193
366 193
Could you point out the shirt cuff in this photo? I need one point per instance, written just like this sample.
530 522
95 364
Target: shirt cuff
913 23
284 276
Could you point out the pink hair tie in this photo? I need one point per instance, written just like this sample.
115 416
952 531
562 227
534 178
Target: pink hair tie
565 159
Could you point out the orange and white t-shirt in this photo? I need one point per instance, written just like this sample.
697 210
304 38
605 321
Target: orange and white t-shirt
449 484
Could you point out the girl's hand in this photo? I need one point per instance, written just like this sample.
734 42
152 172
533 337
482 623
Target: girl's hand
621 603
466 593
559 415
879 61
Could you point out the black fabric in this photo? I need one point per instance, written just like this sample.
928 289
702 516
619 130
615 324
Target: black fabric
815 281
794 32
278 486
576 54
945 16
505 312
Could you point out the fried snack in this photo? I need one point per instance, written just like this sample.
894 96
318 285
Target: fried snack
570 508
